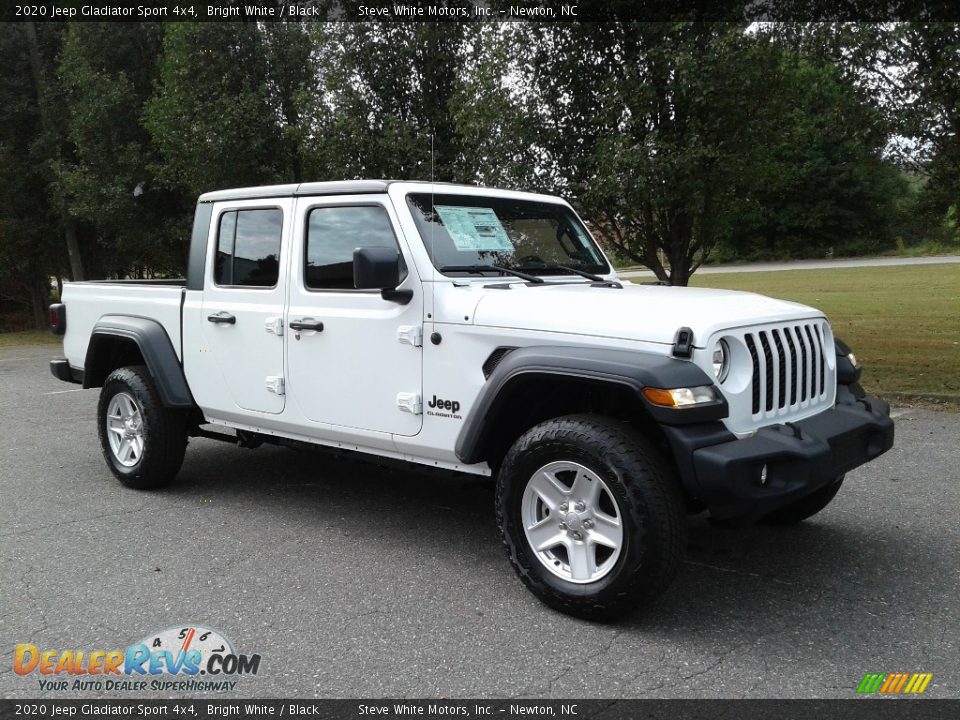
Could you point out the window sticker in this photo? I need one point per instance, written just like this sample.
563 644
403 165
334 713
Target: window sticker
474 228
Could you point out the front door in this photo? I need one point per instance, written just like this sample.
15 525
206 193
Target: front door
243 302
363 369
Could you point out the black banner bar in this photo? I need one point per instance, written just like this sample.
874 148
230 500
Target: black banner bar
218 709
478 10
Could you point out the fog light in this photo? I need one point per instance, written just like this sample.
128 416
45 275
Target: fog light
763 475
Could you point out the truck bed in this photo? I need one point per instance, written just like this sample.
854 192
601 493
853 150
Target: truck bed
87 302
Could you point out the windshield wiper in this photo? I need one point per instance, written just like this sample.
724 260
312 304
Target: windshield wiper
582 273
488 268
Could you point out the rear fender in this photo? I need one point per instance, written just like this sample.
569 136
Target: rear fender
107 341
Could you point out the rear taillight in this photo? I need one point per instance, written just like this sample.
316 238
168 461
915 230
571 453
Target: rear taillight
58 319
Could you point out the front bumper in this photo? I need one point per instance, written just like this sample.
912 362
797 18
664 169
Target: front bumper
800 457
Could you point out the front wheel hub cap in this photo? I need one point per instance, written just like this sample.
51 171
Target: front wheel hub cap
572 522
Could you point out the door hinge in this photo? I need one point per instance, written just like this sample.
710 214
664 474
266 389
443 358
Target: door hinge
410 335
275 384
410 402
274 325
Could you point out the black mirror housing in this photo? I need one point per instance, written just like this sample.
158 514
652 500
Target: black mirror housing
376 268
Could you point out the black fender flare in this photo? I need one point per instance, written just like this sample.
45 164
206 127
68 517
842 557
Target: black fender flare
847 374
156 349
627 368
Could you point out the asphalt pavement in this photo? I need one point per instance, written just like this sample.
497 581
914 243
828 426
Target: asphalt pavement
354 580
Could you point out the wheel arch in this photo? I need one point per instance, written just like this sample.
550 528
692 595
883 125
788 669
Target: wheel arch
121 340
532 384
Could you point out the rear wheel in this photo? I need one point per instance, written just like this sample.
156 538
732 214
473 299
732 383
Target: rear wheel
591 516
143 441
804 507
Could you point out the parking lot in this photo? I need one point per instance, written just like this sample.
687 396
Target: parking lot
352 580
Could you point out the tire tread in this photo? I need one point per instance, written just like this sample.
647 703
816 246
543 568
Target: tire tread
652 486
166 430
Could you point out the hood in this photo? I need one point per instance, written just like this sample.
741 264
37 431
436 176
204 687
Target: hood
650 313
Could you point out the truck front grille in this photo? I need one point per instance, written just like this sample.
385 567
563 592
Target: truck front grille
788 367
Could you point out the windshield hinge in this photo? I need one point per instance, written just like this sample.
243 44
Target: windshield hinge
683 343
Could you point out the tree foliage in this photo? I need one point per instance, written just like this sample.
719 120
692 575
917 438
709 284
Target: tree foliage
676 141
29 247
386 101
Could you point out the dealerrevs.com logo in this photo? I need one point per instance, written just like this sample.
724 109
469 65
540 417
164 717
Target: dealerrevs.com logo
182 658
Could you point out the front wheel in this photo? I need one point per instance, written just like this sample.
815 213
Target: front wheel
143 441
591 516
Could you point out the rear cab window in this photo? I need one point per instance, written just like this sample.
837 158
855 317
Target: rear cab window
248 248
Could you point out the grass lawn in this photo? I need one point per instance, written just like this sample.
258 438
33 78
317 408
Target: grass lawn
903 323
29 337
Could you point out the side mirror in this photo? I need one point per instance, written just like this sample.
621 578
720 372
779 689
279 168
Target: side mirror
378 268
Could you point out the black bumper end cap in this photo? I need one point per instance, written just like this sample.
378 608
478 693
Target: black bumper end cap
61 370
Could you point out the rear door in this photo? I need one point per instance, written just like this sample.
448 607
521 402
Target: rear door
362 370
243 301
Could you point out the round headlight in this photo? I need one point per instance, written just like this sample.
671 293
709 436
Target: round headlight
721 360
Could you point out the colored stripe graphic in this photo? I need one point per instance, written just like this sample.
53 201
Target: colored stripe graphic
894 683
871 682
889 682
918 683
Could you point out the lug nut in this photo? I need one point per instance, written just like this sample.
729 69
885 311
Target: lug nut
577 535
564 507
587 524
581 507
563 526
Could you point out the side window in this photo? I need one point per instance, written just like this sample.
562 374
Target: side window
248 248
333 233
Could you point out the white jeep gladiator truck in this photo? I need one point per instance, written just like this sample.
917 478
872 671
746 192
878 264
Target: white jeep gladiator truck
485 332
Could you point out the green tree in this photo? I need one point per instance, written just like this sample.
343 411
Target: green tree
930 92
389 90
651 126
817 180
32 247
496 118
43 44
217 116
107 73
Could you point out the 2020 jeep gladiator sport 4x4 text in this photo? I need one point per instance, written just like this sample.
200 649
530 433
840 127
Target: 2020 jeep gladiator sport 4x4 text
481 331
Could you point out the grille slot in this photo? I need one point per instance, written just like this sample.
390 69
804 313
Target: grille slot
755 382
788 368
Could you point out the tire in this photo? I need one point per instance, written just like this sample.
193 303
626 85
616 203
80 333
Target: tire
583 575
804 507
145 448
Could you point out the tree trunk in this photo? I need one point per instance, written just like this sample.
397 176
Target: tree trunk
652 261
73 249
679 267
39 297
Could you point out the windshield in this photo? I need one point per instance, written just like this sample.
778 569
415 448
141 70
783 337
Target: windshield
469 232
